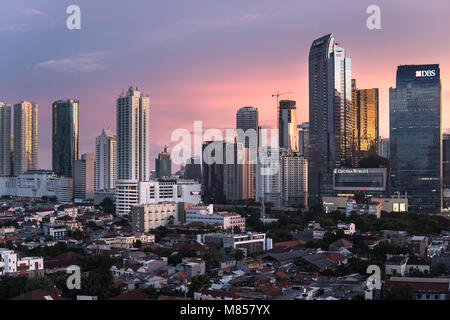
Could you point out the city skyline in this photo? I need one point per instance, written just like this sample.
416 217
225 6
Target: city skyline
89 66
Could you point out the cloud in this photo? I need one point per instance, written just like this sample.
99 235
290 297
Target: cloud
81 63
31 12
18 28
247 18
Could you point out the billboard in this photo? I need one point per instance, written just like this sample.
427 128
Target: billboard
360 179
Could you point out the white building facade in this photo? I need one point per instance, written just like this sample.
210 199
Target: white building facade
105 161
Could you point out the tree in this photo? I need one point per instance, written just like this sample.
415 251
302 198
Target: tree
199 283
152 292
108 206
440 269
399 293
137 244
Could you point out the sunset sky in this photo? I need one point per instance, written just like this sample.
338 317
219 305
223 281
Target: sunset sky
203 59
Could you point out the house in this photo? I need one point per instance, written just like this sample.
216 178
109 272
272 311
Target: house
192 266
418 245
348 228
39 294
396 265
61 262
423 288
341 243
132 295
215 295
417 264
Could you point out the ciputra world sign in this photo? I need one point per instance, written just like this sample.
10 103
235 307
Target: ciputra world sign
425 73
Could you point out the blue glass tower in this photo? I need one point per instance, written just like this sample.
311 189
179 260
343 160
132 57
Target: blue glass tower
416 136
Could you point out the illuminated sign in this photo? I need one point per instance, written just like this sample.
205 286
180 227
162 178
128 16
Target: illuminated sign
425 73
196 193
351 171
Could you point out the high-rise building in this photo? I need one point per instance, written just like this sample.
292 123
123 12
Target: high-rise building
268 177
65 136
213 170
5 142
132 136
84 177
446 161
287 125
294 179
238 173
163 164
331 115
193 169
366 132
25 137
384 148
303 139
247 120
415 112
132 127
105 161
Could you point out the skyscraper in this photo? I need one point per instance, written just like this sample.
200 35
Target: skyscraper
287 125
5 139
65 136
294 179
163 164
330 114
446 161
132 136
213 170
303 139
84 177
238 173
25 137
105 161
247 119
132 126
193 169
384 148
415 135
366 132
268 177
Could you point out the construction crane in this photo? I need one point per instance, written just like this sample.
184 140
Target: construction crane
277 95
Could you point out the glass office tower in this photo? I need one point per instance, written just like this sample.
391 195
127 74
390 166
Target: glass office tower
331 115
366 132
65 136
416 136
287 125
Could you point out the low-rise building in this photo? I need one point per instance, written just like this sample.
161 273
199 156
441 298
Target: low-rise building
151 216
247 241
12 264
422 288
396 265
56 231
418 245
207 216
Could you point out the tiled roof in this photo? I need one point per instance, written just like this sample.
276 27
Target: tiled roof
132 295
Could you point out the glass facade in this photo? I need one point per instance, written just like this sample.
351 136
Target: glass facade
446 161
287 125
65 136
416 136
331 115
373 179
366 132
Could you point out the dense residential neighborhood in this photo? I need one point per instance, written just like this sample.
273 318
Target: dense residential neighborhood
300 255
